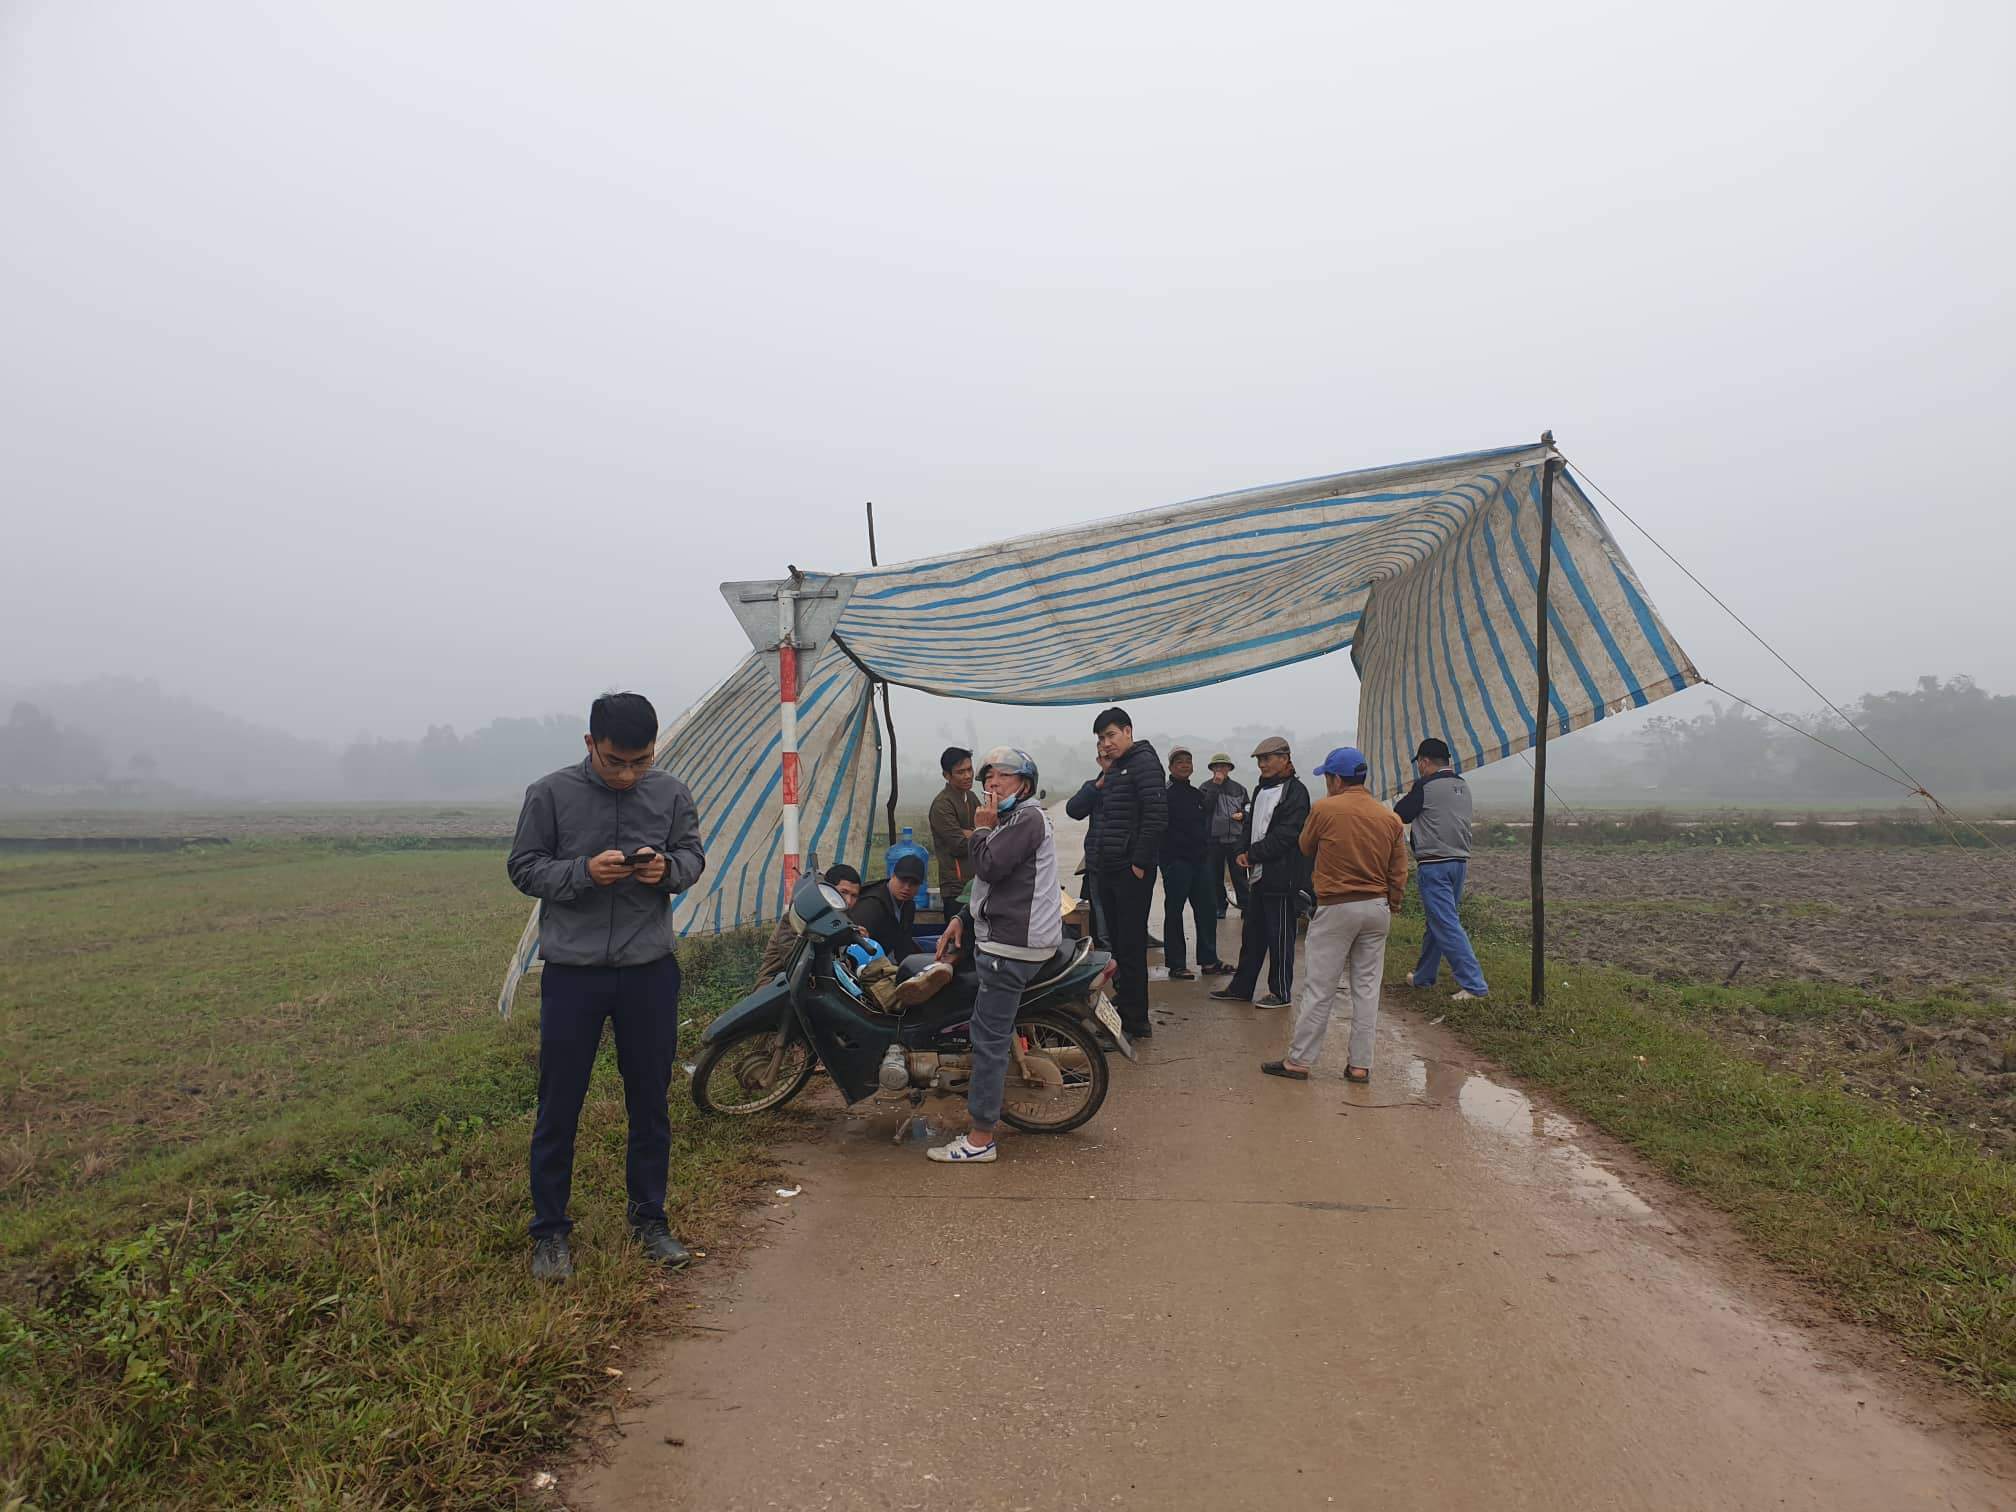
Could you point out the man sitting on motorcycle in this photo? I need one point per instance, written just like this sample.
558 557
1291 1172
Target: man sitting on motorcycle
1012 917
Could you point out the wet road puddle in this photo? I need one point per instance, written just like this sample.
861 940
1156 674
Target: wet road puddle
1507 1118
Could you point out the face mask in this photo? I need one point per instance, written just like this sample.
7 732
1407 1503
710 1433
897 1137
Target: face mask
1006 804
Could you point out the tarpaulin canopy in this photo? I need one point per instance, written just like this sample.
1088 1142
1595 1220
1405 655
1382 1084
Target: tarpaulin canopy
1427 571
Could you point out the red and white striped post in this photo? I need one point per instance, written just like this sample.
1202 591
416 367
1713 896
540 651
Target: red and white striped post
787 677
807 609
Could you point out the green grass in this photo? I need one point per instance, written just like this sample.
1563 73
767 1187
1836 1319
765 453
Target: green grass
1904 1226
262 1223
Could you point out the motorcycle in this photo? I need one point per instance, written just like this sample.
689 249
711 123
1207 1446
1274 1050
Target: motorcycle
765 1050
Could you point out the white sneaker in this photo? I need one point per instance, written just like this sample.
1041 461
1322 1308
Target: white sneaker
961 1148
1460 996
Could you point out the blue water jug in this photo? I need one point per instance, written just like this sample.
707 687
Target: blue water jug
907 847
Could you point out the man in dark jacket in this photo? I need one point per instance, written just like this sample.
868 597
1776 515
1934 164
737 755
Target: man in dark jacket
604 846
885 909
1084 804
1186 878
1122 856
1272 857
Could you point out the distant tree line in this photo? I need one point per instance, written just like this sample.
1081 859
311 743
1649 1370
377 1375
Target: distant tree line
125 741
1954 736
496 761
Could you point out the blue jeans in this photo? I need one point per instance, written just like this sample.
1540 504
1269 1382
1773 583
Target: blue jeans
1441 885
1003 980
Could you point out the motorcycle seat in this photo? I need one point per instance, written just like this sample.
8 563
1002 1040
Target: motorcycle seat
1062 960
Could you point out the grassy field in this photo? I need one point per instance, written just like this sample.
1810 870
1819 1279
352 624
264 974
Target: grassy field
262 1147
274 822
1902 1223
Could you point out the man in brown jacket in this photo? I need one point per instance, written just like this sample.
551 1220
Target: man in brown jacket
1360 852
951 824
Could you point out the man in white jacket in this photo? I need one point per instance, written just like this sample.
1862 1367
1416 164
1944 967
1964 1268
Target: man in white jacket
1016 925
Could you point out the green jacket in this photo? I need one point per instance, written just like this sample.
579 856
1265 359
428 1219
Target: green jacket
952 812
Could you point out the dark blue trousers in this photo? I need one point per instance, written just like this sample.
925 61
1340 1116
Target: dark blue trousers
643 1004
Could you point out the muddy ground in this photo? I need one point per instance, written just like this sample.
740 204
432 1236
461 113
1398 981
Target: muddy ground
1232 1291
1929 932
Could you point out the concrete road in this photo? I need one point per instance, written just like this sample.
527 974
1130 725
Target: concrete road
1231 1291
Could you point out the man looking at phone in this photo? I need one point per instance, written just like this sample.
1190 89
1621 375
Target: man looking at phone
604 846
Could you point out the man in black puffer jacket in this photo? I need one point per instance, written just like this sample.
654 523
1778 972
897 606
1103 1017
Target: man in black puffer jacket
1272 856
1123 852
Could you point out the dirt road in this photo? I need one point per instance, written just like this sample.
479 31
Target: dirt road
1231 1291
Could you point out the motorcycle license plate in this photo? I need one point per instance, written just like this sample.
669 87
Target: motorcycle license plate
1108 1015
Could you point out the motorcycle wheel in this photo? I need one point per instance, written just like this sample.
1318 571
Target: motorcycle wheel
1056 1109
733 1076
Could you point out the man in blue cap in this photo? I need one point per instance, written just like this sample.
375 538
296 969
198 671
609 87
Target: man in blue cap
1359 851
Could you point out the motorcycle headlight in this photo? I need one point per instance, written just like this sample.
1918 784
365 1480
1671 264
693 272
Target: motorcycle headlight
803 910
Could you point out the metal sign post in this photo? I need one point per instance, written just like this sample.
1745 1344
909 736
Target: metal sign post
789 615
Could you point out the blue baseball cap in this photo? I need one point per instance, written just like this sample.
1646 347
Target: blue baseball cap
1345 761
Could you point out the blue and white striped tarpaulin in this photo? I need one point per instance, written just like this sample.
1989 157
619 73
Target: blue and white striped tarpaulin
1427 571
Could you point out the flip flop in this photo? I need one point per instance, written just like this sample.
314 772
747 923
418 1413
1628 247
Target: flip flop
1358 1074
1282 1068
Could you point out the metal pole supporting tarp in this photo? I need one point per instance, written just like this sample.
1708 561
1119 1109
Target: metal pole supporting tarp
888 715
1542 718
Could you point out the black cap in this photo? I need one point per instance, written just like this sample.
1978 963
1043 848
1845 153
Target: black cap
1433 749
910 868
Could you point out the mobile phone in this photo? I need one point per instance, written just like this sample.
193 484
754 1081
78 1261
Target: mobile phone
638 858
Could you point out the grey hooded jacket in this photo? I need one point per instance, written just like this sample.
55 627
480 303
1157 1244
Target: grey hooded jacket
1016 907
572 814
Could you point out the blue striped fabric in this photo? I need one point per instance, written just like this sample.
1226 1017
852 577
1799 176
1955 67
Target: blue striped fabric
1426 571
1447 648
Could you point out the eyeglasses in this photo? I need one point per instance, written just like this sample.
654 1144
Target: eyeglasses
618 764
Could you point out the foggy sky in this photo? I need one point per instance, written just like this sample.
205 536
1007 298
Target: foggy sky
364 366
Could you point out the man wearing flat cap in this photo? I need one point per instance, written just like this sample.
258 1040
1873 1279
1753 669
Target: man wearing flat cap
1271 854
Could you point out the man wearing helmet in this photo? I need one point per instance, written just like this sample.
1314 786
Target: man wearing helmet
1012 917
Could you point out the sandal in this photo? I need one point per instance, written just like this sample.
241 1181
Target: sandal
1358 1074
1282 1068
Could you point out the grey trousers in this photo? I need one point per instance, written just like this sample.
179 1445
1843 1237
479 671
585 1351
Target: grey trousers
1002 981
1345 952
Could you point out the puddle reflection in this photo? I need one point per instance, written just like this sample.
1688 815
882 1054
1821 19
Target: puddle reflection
1509 1116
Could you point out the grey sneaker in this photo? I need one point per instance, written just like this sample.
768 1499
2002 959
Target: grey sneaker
654 1237
551 1260
1272 1001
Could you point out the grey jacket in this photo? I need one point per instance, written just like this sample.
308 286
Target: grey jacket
1016 908
573 814
1225 800
1436 811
